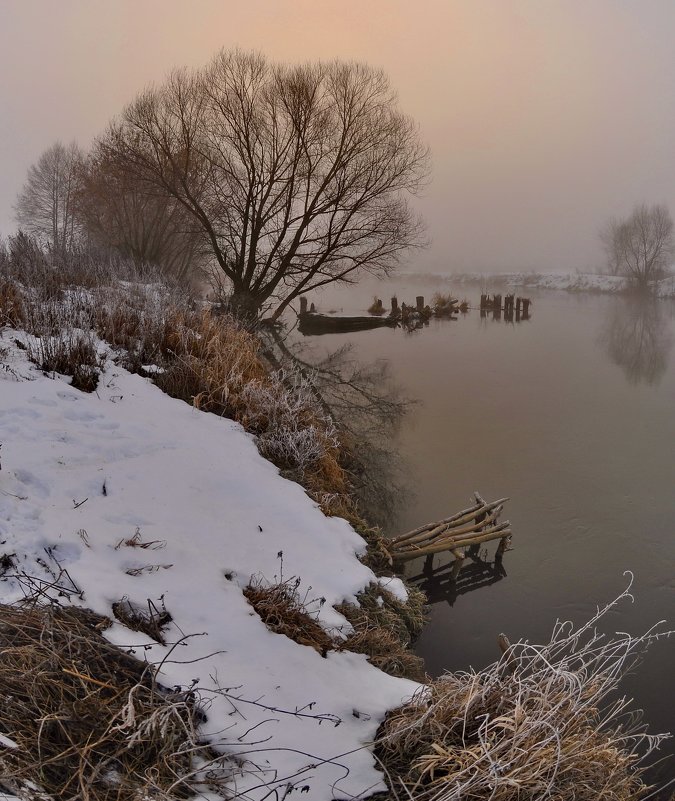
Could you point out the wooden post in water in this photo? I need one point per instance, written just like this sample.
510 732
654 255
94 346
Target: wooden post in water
483 301
303 304
526 308
394 305
456 565
420 303
519 302
497 307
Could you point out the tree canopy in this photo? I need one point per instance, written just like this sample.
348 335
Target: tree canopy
118 211
641 246
297 176
45 206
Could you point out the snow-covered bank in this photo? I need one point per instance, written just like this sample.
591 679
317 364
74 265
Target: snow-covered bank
83 473
567 282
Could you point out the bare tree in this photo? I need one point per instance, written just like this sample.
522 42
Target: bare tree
297 176
139 221
641 247
45 206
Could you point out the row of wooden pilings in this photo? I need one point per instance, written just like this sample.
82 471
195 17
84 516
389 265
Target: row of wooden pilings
518 307
419 305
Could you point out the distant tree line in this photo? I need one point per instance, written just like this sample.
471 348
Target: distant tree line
282 178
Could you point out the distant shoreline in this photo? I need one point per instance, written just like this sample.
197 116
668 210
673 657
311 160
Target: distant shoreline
566 282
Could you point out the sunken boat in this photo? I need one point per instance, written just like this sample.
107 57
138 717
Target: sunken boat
312 324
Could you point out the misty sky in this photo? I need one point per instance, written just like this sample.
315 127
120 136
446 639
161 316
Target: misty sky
544 118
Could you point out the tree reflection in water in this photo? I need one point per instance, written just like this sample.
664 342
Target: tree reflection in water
637 338
367 407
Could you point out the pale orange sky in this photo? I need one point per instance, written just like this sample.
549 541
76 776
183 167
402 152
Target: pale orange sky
544 117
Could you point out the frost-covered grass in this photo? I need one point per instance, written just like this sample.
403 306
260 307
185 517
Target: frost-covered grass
545 721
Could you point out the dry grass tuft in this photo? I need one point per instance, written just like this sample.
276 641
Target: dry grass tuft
70 352
384 608
284 611
381 635
214 358
543 722
150 619
382 647
338 504
444 305
12 311
142 321
89 721
384 628
376 308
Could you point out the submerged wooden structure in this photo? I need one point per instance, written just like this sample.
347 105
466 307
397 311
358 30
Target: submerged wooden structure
312 324
511 302
410 317
457 534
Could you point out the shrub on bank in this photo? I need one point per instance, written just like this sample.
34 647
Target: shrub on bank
545 721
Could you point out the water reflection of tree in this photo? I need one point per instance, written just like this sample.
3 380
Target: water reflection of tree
637 338
368 408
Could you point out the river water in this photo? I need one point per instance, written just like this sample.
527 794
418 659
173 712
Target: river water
571 414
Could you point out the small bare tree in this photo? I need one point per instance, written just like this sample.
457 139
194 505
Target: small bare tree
297 176
119 212
641 247
45 206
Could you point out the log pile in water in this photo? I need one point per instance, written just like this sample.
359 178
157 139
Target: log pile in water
468 528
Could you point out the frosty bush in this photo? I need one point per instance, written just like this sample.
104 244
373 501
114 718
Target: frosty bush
545 721
294 432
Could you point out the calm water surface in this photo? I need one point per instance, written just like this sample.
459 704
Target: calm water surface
571 414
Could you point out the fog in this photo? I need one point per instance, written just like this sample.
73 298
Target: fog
544 118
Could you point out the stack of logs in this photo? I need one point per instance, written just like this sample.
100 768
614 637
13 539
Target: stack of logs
464 530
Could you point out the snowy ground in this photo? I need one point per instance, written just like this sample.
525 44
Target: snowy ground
219 513
568 282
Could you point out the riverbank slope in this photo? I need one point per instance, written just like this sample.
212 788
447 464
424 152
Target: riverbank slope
127 495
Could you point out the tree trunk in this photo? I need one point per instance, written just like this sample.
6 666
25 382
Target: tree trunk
245 306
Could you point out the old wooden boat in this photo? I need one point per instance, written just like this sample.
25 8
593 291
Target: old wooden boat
312 324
